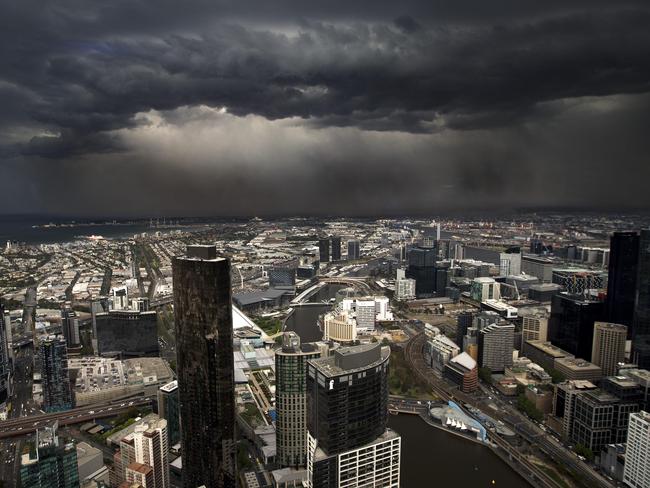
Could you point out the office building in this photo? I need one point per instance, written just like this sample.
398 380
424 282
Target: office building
485 289
496 345
348 443
543 292
510 262
571 325
119 299
152 449
5 365
641 319
463 371
70 325
578 281
324 249
127 333
422 268
463 322
543 353
97 306
636 472
541 268
336 248
139 474
48 461
608 348
57 393
405 289
564 401
621 279
291 400
205 367
534 326
364 311
577 369
601 416
169 409
439 350
339 327
354 250
282 277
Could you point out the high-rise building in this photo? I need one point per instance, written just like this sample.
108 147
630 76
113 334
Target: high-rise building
127 333
621 279
336 248
463 322
140 475
48 462
348 443
169 409
291 400
608 347
354 250
641 319
462 370
119 298
422 268
571 325
578 281
97 306
636 472
70 325
324 249
485 288
152 449
5 332
339 327
405 289
534 326
205 367
57 393
496 345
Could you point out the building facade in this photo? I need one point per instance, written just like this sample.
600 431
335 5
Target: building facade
608 348
339 327
348 443
5 364
422 268
354 250
205 367
636 472
621 278
405 289
641 319
291 400
169 409
571 325
57 392
127 333
496 345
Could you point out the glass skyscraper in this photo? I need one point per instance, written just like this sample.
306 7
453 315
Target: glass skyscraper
57 392
205 367
641 320
622 275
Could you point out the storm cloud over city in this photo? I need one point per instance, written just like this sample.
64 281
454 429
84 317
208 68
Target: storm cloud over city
199 107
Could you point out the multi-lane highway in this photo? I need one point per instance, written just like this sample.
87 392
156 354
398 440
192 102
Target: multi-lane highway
24 425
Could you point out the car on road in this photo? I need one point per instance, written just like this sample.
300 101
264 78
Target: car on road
91 412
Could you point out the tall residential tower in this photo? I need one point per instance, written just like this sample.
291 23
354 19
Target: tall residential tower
205 369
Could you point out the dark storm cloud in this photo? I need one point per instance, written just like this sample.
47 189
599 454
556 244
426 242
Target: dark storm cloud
76 75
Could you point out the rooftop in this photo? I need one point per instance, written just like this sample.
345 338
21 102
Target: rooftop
549 349
576 363
171 386
351 359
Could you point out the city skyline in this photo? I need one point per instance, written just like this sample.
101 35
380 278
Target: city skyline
395 109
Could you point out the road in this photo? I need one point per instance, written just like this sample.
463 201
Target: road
509 415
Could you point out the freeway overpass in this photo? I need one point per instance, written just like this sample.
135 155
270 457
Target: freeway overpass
21 426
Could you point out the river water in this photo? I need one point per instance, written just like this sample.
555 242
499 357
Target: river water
430 456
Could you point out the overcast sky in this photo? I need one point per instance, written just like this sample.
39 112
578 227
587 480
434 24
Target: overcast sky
366 107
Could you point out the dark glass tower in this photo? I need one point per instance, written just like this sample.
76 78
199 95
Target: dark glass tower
354 250
5 333
621 282
641 320
422 268
324 249
336 248
57 394
571 325
203 318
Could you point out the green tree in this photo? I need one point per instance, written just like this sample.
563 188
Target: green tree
584 451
